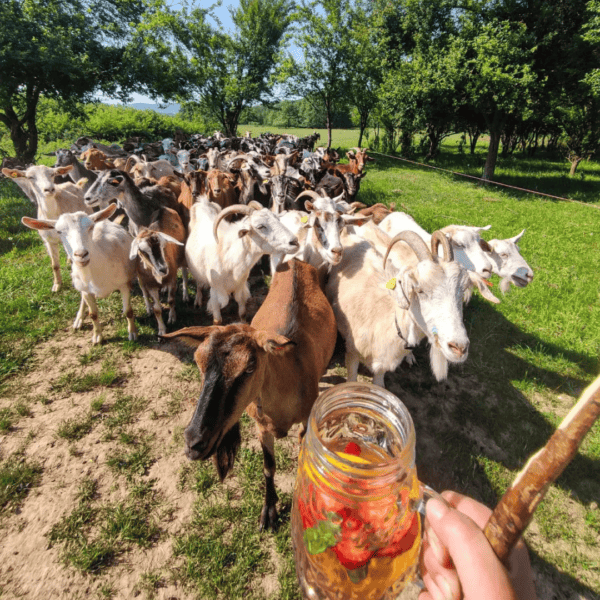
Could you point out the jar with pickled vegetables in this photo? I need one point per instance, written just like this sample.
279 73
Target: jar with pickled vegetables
356 532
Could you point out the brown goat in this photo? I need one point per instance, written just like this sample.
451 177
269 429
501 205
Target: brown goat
96 160
378 211
160 252
270 369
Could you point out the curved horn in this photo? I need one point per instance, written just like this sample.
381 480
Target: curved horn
239 157
310 193
230 210
255 205
437 238
417 244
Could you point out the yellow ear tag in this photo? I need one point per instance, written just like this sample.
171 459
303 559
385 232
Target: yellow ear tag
391 284
265 181
13 174
304 220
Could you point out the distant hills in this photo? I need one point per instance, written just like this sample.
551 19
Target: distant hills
169 109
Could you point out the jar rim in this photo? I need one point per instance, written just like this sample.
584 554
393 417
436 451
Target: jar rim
374 401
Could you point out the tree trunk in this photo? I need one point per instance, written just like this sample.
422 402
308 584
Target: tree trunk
364 119
492 155
23 133
574 163
328 109
473 138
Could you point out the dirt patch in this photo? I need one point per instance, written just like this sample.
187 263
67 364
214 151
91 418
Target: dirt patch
161 378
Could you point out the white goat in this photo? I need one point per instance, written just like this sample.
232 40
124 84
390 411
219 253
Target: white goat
220 255
319 230
383 310
508 263
470 250
52 200
101 264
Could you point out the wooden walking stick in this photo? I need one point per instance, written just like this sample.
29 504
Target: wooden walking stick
515 510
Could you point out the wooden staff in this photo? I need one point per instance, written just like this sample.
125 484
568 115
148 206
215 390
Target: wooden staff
515 510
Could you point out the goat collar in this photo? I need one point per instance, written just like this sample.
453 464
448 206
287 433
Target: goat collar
399 332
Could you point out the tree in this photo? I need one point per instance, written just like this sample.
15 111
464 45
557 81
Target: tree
322 76
497 75
364 64
221 72
64 49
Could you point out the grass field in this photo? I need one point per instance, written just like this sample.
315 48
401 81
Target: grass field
530 358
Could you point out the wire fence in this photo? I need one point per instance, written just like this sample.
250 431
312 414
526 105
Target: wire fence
486 181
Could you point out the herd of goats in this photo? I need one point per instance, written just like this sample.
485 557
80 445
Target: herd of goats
215 206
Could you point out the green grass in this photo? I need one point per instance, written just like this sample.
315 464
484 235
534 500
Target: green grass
17 476
94 534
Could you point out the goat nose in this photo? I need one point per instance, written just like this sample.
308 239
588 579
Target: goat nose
295 243
458 349
487 273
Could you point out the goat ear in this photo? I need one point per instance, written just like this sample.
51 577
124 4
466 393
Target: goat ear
485 246
274 343
190 336
309 206
514 239
13 173
405 286
134 249
482 286
63 170
169 238
44 224
104 213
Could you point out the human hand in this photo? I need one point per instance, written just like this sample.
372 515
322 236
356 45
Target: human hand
459 562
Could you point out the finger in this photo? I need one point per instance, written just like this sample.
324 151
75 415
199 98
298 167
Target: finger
477 566
443 588
441 553
473 509
432 565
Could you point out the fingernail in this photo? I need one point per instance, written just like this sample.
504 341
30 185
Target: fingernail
435 509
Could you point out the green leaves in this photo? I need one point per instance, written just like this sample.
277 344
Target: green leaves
323 535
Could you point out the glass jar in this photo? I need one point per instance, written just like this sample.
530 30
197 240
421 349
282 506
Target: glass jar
356 530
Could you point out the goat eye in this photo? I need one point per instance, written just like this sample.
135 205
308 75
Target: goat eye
504 255
250 368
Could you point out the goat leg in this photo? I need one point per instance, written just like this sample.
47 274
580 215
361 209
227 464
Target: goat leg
90 300
351 366
162 328
184 280
268 515
172 289
78 322
52 248
128 312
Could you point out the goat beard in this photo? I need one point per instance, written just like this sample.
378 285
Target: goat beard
439 363
225 455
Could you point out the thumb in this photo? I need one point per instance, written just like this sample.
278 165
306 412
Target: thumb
479 570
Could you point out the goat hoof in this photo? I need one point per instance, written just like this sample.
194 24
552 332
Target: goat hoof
410 359
56 287
268 518
133 336
97 339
